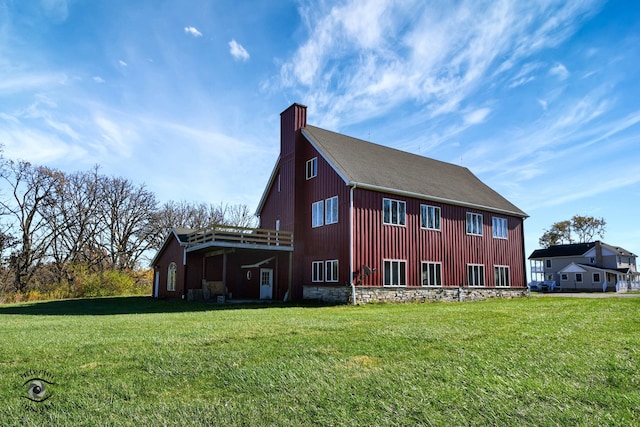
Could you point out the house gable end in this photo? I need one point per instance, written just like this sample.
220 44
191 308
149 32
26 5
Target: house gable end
573 268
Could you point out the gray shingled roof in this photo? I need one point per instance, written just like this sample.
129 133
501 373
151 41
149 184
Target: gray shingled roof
576 249
387 169
573 249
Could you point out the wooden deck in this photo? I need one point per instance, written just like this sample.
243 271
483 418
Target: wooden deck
228 236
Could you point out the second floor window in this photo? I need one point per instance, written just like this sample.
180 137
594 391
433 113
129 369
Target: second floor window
317 214
474 223
312 168
393 212
499 227
331 210
430 217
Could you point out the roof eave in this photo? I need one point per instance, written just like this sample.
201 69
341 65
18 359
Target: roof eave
436 199
272 178
320 150
164 245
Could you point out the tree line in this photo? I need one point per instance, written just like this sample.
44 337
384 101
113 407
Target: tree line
54 224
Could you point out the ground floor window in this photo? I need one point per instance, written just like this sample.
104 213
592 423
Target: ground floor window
331 270
431 274
596 277
171 277
475 275
502 278
395 273
317 271
579 277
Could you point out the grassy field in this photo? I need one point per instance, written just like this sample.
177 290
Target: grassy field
137 361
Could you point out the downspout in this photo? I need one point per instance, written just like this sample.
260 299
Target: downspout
353 286
524 259
184 273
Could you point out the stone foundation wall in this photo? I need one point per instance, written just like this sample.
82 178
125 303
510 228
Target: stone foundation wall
368 294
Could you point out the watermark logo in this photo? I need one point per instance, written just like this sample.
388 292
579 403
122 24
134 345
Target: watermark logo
37 387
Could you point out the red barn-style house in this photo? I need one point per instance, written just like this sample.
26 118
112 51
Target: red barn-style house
345 220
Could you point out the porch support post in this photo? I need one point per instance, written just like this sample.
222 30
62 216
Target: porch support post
290 273
224 274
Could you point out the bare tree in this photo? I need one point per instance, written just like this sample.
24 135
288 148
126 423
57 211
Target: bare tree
73 219
128 213
33 191
239 216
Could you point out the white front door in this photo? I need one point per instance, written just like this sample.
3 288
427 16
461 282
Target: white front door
266 283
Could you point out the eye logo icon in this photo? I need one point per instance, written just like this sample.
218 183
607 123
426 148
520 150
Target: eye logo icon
37 388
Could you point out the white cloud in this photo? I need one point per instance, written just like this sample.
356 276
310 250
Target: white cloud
238 51
367 57
543 103
560 71
98 79
477 116
122 63
193 31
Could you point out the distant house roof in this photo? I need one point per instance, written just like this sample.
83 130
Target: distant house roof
575 249
381 168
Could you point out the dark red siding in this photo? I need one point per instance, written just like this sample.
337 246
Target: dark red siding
172 252
327 242
375 242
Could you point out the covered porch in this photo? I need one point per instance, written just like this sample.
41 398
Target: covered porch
230 263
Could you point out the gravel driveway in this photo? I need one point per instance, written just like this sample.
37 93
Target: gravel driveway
587 294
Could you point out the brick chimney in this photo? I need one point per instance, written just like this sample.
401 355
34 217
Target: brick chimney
599 260
291 120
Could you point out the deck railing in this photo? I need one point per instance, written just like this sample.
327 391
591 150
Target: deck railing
241 236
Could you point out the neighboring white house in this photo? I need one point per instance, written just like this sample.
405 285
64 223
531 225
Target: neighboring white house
593 266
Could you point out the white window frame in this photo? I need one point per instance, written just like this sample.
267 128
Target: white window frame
317 271
499 227
564 277
593 277
548 263
475 271
426 278
581 277
397 268
171 277
502 273
331 270
311 169
394 207
317 214
430 217
331 210
474 224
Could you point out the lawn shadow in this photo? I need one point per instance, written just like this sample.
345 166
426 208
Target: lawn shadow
129 305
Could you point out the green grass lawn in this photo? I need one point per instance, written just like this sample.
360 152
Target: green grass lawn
137 361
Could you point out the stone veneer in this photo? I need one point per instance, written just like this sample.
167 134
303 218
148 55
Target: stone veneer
368 294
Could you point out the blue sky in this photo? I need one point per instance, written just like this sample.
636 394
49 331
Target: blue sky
541 100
